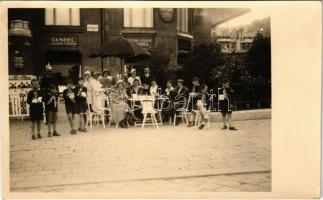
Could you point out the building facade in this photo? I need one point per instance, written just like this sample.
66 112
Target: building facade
65 38
61 37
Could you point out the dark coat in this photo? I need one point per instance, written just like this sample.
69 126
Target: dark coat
35 109
132 90
146 80
225 105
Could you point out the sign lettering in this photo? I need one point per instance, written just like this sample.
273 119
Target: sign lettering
63 41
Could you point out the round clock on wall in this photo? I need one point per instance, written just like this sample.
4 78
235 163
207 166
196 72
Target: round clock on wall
166 14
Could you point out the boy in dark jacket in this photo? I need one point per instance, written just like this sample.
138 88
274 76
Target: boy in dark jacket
34 99
70 105
81 103
51 107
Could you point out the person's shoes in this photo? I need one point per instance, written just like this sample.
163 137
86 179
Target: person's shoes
80 129
123 125
190 124
135 119
39 136
33 137
224 127
49 134
56 134
84 130
73 132
201 126
232 128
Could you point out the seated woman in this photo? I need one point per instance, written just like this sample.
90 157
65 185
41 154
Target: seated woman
133 90
153 89
121 112
168 107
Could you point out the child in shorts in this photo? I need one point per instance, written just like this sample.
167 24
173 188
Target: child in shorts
203 104
34 99
51 107
81 103
70 105
225 95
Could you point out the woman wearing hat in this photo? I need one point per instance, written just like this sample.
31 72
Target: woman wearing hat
121 113
93 87
106 80
133 77
88 84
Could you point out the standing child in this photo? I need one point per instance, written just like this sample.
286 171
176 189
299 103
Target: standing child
225 96
34 99
70 105
81 103
203 104
51 106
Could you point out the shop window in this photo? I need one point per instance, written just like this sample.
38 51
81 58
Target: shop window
62 16
182 19
138 17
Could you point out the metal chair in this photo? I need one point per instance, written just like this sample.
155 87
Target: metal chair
181 108
149 110
97 112
160 107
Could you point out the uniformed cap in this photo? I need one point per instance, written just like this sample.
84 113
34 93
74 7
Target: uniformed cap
120 81
96 73
180 80
196 79
87 72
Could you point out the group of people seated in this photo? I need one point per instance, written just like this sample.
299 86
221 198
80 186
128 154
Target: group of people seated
81 98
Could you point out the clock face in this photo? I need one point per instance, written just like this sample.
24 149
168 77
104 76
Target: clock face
166 14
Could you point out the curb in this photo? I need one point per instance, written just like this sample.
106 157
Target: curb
140 177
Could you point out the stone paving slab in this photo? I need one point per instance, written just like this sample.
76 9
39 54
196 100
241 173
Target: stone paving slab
105 155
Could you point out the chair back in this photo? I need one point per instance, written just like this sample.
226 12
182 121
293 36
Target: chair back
147 106
99 103
163 99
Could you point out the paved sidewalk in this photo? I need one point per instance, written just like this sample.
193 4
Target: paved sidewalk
142 160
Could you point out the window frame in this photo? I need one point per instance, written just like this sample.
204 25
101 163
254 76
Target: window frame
70 19
144 19
179 20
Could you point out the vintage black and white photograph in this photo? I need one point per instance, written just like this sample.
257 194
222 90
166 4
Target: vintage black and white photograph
142 99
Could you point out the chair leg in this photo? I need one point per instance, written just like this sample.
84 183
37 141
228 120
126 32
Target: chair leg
110 119
175 119
160 118
197 118
144 121
185 116
91 122
103 120
155 120
87 123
